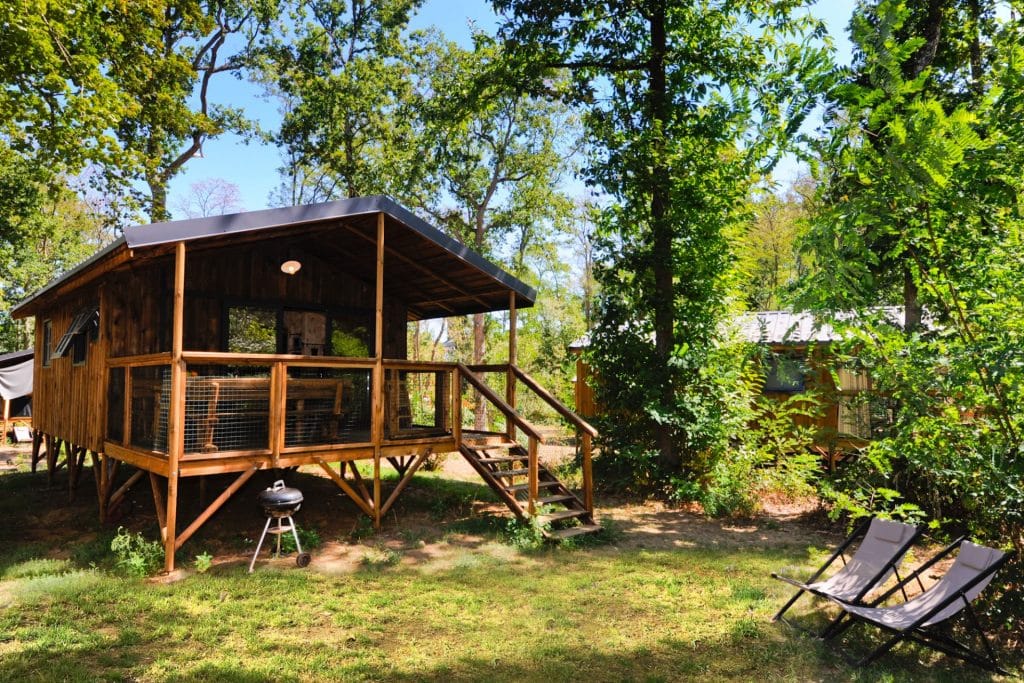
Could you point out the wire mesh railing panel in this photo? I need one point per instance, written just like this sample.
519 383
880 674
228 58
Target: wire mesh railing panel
150 401
227 408
327 406
115 405
416 403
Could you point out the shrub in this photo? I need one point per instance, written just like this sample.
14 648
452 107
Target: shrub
309 538
135 555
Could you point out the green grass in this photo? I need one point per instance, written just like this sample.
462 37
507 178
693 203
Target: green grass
598 615
475 611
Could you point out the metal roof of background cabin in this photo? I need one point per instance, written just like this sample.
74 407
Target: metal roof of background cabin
785 327
15 357
788 327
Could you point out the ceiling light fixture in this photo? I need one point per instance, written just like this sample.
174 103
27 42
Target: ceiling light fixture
290 267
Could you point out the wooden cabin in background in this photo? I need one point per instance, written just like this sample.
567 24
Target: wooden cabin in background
797 361
16 392
276 339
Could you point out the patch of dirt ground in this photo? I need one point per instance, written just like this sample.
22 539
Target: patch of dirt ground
436 523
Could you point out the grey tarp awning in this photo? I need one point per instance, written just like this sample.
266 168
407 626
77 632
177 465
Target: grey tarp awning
16 380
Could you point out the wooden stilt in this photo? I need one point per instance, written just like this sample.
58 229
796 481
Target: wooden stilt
406 478
37 444
160 504
510 375
176 413
97 475
121 492
358 478
378 372
363 504
214 506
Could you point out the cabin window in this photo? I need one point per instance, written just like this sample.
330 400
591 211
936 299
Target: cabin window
785 374
854 417
350 336
83 327
252 329
47 341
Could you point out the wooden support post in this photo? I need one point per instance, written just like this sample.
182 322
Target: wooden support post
7 418
406 478
278 387
338 479
214 506
456 382
588 474
97 474
510 376
176 416
378 372
533 478
37 443
160 504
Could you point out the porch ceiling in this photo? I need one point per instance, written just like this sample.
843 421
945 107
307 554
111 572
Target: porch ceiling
433 274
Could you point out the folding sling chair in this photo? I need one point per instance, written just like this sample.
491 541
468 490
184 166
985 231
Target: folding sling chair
877 557
918 619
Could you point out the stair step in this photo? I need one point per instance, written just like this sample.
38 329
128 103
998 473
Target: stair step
560 515
511 473
504 458
561 498
574 531
526 487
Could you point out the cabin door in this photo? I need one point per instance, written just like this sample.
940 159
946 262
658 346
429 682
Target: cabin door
305 332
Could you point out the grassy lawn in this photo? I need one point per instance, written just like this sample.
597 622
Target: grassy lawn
452 601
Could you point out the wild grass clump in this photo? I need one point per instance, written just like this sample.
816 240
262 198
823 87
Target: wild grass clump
135 555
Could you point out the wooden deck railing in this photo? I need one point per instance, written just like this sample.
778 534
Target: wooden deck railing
274 387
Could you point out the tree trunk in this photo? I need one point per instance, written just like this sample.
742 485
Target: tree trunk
911 303
480 412
664 294
158 193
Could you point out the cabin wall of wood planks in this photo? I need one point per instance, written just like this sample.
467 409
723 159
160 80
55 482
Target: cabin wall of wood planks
69 400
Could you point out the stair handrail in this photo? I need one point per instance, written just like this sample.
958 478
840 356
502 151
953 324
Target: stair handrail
515 418
510 413
552 401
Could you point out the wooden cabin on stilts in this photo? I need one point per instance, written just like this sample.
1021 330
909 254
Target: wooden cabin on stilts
277 339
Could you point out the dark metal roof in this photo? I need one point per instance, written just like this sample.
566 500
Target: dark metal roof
15 357
144 236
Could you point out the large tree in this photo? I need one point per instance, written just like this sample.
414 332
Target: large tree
497 156
921 180
683 103
126 86
342 70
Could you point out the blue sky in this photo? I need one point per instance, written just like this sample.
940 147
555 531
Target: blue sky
253 167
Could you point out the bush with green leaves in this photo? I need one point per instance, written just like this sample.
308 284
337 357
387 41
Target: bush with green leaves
308 537
135 555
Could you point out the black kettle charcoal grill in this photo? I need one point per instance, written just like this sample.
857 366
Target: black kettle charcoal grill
280 502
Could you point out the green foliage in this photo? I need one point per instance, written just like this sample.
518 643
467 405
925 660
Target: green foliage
920 206
135 555
203 562
526 535
677 143
308 537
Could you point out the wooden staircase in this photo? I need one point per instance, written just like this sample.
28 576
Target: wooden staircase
505 468
529 488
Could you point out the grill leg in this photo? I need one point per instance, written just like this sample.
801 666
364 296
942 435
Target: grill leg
295 534
260 544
